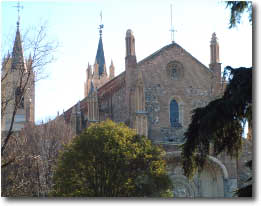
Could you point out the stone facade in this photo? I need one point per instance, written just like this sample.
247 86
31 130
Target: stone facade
156 97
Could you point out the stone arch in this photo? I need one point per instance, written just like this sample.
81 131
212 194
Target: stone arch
212 159
183 188
211 182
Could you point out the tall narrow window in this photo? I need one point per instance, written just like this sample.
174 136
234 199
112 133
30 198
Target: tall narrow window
174 113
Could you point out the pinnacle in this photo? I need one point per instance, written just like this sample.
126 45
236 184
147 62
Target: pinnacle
214 38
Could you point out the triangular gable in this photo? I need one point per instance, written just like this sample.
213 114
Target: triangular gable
172 45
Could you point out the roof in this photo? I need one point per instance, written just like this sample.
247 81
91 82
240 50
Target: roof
17 54
100 60
169 46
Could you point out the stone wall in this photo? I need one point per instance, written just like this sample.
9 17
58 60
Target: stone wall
111 100
119 110
245 172
190 84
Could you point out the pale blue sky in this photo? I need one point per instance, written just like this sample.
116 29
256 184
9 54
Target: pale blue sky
75 25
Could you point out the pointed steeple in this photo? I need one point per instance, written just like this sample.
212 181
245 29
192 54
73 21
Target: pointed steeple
17 54
100 60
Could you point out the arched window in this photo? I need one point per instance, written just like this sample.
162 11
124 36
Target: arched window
174 114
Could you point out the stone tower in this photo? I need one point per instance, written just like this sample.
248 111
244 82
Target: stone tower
215 64
130 76
98 76
18 89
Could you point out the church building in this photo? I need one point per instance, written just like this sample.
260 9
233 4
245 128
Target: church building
17 88
156 96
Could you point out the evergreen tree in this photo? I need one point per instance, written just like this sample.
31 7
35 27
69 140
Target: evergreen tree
220 123
110 160
237 8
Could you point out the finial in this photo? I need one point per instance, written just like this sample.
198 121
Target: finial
101 25
129 33
18 6
214 38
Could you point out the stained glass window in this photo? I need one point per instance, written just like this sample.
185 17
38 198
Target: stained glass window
174 113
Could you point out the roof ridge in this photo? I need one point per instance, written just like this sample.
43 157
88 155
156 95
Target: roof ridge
167 47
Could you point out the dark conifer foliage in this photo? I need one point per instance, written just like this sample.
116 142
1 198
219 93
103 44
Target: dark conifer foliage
221 122
237 8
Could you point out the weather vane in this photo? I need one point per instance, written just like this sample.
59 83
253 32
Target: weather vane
171 26
18 6
101 25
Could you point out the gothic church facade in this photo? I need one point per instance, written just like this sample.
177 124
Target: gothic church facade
156 96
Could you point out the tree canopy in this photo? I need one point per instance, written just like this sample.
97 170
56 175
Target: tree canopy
110 160
220 123
237 8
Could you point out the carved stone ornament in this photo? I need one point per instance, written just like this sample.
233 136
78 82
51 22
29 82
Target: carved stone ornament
175 70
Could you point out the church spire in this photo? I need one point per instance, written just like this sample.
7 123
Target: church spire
18 6
100 60
17 54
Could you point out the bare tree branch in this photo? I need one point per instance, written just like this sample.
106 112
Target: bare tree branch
35 149
40 51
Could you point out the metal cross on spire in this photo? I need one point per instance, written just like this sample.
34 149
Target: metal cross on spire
18 6
171 26
101 25
101 16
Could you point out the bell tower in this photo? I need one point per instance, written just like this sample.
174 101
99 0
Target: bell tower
17 86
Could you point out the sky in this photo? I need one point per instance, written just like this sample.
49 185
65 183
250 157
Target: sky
74 24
